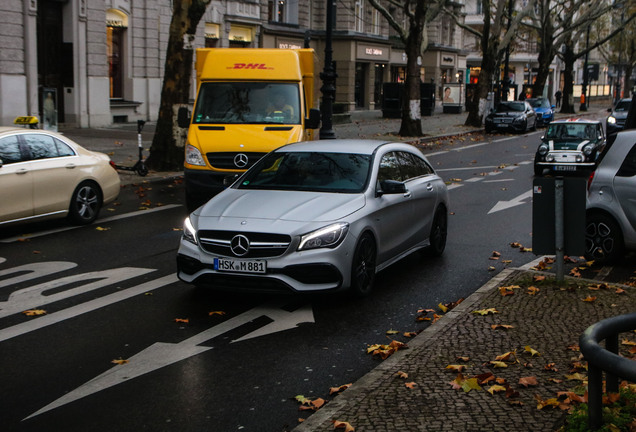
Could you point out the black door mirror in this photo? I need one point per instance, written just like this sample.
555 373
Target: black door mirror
391 187
313 121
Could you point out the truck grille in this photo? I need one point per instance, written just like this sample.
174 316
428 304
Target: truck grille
261 245
232 160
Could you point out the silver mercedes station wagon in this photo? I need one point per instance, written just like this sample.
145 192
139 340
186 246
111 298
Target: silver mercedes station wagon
317 216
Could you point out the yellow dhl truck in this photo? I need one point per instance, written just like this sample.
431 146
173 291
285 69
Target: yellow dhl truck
249 102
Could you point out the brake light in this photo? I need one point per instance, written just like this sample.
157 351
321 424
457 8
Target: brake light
589 180
113 165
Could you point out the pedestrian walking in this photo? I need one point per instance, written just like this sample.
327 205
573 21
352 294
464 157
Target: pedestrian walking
557 96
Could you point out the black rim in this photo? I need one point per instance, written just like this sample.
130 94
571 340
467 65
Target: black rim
364 265
87 202
599 239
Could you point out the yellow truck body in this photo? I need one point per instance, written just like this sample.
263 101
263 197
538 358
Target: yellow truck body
249 102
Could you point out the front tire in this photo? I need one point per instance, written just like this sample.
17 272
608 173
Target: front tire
86 202
363 266
603 239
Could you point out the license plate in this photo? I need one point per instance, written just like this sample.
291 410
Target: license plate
564 168
502 125
240 266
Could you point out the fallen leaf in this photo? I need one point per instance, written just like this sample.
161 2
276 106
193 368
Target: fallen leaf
392 332
589 299
402 375
410 385
216 313
337 424
119 361
102 228
182 320
528 381
483 312
502 326
533 352
496 389
456 368
442 308
342 388
34 312
499 364
532 290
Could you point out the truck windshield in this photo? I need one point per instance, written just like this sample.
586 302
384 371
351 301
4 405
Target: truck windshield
247 103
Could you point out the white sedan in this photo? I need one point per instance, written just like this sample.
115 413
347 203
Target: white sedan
317 216
46 175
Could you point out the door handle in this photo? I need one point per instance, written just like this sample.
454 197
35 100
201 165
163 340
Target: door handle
429 187
21 171
70 166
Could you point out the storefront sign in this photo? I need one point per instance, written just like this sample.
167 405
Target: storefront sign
369 52
287 44
448 59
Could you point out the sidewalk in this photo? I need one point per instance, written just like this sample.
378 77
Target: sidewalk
549 322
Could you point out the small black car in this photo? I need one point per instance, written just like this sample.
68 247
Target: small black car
570 146
517 116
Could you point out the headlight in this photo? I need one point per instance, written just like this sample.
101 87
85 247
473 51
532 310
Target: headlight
611 119
189 233
193 156
519 119
588 149
543 149
327 237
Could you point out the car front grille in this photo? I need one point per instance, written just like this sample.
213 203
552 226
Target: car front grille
258 245
227 160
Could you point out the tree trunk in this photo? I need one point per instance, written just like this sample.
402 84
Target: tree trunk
167 150
567 103
411 111
477 112
546 55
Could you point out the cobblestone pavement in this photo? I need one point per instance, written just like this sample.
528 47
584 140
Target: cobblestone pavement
549 321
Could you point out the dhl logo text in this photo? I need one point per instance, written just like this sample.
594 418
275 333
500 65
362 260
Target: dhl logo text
249 66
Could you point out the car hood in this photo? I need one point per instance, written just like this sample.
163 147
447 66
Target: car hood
543 110
620 115
567 144
281 205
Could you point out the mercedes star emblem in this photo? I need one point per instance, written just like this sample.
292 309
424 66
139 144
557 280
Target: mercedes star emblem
241 160
240 245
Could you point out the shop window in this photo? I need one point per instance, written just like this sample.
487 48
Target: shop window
211 35
116 25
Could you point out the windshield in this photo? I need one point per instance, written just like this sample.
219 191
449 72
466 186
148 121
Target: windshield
510 106
623 105
538 103
247 102
571 131
309 171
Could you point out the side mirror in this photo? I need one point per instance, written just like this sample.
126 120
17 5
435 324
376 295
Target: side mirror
183 117
553 106
609 110
313 121
391 187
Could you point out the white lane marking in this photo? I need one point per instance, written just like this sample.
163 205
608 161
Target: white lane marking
32 271
97 222
47 320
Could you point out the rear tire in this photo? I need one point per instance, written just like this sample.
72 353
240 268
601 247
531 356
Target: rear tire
86 202
363 266
439 233
603 239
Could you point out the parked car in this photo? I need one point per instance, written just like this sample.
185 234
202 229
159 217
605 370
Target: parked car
317 216
46 175
570 146
545 111
517 116
615 122
611 202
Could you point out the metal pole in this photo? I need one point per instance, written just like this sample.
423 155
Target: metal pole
328 77
559 228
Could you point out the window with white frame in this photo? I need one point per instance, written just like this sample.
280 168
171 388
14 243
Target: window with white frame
359 16
283 11
375 22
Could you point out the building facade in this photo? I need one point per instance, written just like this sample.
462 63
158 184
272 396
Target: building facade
102 60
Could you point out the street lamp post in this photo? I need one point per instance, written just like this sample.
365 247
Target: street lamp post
328 77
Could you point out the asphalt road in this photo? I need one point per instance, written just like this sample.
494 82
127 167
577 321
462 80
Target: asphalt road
126 346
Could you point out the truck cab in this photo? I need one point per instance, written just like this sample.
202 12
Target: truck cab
249 102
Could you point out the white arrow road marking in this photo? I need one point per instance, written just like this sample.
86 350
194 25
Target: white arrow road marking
162 354
46 320
33 271
503 205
